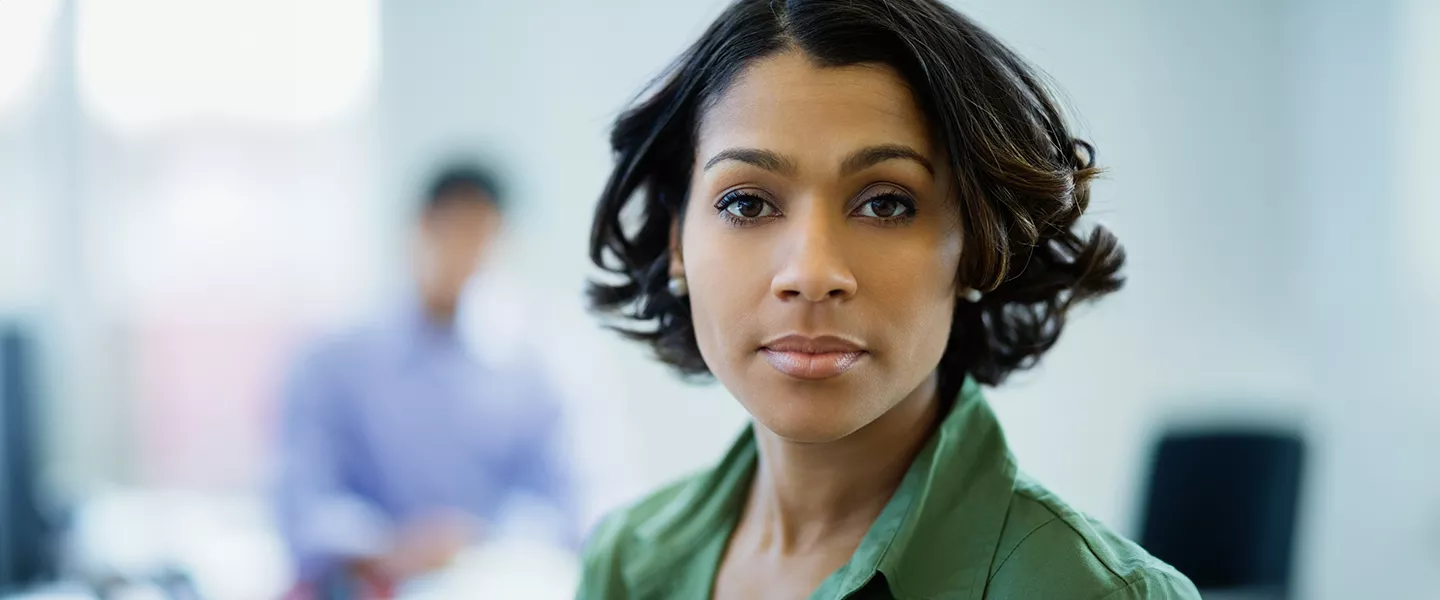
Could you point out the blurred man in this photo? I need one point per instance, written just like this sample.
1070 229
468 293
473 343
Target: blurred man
398 447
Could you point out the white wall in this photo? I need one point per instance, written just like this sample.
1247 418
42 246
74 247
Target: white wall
1182 102
1363 188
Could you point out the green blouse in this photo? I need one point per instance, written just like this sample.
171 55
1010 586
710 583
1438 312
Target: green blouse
964 524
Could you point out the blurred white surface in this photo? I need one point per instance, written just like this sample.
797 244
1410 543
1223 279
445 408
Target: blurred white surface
226 543
504 568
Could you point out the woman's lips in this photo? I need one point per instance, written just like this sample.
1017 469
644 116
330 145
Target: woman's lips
804 357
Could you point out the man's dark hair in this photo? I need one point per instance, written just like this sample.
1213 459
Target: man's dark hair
463 182
1022 178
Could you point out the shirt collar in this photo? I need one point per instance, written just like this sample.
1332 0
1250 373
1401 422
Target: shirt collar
935 538
416 334
955 498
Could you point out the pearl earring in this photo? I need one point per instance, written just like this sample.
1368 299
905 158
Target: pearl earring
971 295
678 287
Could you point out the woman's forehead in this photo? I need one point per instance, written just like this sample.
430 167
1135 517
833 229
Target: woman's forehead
789 104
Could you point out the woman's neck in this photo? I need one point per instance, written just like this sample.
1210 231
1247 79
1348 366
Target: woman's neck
806 493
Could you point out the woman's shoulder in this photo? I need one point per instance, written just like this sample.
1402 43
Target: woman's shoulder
659 532
1079 556
611 544
652 533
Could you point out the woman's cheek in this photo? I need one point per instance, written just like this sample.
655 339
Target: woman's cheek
719 274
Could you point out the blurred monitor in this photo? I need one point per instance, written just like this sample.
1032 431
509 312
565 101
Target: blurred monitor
23 558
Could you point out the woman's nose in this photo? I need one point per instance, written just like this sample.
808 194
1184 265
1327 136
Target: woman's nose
814 266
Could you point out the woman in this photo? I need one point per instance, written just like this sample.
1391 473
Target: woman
853 214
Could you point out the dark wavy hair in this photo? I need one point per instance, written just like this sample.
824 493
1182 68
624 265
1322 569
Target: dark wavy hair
1022 179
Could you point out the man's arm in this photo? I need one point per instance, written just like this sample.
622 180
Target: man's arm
326 524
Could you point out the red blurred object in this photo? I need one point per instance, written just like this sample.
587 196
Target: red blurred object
355 586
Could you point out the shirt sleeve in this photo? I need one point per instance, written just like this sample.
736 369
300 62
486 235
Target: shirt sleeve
1055 560
323 521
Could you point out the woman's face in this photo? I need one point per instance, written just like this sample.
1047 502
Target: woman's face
820 244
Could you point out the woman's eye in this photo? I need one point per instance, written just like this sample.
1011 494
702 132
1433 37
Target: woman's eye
747 206
889 206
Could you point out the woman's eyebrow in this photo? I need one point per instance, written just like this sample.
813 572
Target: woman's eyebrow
765 159
857 161
865 158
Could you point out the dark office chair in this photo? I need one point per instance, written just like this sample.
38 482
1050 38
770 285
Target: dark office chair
1222 508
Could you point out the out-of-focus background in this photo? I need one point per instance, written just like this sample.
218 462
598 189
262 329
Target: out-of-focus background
190 192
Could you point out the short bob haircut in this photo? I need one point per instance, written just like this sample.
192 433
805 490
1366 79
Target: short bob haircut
1021 178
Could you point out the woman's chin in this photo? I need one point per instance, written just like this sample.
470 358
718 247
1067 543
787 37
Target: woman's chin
810 411
809 424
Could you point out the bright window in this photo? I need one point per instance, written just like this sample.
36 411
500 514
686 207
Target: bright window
25 27
148 64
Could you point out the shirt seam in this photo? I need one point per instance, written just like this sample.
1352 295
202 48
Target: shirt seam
1137 568
978 586
1145 576
1053 518
1115 593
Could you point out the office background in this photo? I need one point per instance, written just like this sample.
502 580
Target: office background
191 190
